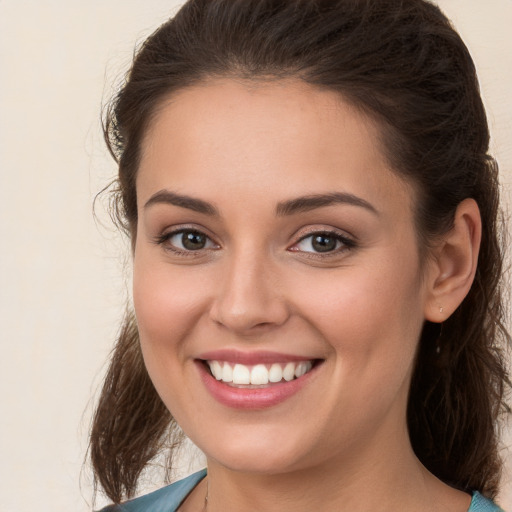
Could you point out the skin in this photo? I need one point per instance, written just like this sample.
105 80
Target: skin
258 284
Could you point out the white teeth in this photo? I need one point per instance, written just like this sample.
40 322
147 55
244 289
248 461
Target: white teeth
260 374
216 369
303 368
300 370
289 371
275 373
241 374
227 373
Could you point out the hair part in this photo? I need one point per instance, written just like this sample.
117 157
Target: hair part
402 63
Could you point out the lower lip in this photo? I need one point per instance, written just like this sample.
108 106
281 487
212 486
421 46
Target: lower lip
252 398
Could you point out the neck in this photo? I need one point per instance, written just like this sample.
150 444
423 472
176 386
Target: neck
369 478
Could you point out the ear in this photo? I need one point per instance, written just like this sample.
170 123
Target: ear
453 264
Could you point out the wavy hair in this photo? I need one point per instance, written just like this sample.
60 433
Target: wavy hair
403 64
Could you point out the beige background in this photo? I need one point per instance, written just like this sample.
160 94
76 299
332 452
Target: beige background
62 278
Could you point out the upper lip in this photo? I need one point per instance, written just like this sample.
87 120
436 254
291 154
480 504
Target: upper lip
252 358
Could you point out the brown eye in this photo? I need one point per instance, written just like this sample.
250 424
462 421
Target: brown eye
193 240
186 240
320 242
323 243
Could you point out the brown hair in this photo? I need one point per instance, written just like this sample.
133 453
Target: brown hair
404 65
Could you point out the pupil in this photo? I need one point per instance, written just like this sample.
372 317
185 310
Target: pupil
193 241
322 243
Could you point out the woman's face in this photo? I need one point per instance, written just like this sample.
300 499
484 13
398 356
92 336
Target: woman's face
273 239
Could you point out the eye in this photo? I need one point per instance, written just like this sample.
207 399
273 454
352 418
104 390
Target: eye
186 240
323 242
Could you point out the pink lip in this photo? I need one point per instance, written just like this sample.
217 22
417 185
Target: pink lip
252 398
251 358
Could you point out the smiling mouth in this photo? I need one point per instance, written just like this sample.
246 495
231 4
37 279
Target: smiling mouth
241 375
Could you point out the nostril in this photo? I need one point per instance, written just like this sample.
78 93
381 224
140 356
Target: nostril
247 300
251 319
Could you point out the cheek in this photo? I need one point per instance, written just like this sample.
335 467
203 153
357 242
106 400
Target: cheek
167 307
371 315
163 299
372 322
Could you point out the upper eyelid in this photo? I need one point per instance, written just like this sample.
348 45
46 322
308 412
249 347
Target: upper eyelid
326 230
345 240
173 230
166 234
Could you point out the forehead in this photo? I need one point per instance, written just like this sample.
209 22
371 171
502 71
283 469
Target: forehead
270 138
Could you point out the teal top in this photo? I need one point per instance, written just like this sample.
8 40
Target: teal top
169 498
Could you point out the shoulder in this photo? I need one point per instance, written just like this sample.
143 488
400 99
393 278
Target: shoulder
481 504
167 499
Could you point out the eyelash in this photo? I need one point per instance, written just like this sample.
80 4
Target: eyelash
343 243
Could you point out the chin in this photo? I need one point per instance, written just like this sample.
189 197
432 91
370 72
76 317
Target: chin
258 463
256 454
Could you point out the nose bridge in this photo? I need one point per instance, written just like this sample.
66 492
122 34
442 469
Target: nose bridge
249 295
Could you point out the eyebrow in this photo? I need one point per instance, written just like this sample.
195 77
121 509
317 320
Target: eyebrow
311 202
297 205
183 201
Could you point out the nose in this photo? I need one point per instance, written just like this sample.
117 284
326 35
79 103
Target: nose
250 297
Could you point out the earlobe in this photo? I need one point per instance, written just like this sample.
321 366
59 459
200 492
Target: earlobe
454 263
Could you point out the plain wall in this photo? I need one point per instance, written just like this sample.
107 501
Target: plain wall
63 276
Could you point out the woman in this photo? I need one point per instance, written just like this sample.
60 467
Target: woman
313 216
